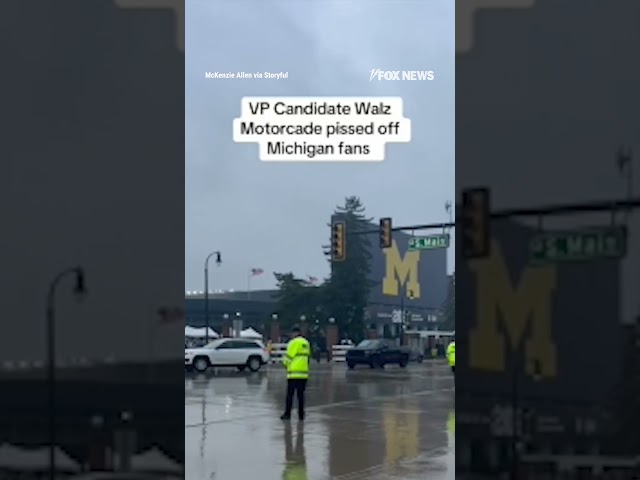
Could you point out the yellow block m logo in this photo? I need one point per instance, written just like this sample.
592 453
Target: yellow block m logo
526 304
400 271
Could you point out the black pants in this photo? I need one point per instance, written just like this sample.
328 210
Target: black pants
453 369
297 386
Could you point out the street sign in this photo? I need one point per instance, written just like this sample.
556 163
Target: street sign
579 245
429 242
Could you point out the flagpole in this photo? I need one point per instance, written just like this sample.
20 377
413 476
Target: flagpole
449 210
249 285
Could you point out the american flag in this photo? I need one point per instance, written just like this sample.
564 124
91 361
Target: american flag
311 280
256 271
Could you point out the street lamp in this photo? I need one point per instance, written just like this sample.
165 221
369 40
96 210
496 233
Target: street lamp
79 290
402 303
274 322
206 290
516 415
237 325
98 444
124 440
225 323
403 314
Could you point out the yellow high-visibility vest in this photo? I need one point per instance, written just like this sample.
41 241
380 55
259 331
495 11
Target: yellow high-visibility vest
295 472
451 422
296 359
451 354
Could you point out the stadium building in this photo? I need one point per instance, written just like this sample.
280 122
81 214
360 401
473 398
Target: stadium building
530 374
413 281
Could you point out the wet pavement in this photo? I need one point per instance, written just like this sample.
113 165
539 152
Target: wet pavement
363 424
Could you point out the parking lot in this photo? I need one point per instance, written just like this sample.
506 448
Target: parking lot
362 424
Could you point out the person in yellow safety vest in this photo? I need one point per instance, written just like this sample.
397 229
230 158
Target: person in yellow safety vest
296 359
451 355
295 459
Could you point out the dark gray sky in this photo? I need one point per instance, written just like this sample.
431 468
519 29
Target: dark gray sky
274 216
78 152
562 102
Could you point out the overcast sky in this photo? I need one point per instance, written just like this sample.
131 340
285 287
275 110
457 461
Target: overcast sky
548 137
274 216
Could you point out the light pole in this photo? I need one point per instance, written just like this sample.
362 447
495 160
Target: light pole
225 323
206 291
403 315
274 322
97 450
79 290
516 415
237 325
624 160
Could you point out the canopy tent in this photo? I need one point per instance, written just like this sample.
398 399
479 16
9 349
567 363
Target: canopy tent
199 332
153 460
250 333
34 459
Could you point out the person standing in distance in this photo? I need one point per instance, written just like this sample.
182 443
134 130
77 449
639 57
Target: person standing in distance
296 360
451 355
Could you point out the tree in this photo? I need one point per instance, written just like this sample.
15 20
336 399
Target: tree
295 298
449 306
348 288
626 397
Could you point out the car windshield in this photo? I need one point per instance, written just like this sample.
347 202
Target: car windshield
368 344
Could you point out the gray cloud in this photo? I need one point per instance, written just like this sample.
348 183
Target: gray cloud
274 216
562 102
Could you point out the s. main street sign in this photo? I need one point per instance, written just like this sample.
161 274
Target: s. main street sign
429 242
579 245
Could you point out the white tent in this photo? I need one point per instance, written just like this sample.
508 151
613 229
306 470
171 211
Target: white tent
201 332
34 459
155 460
250 333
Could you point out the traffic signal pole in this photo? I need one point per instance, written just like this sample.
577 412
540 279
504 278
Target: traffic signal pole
544 211
338 241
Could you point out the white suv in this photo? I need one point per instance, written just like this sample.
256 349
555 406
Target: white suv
227 352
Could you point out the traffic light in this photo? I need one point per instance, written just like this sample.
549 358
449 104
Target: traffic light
476 223
338 241
386 239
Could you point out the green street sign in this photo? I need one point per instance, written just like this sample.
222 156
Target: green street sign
579 245
429 242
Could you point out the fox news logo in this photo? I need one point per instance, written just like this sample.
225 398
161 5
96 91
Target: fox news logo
401 75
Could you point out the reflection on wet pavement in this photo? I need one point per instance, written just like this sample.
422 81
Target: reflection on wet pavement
363 424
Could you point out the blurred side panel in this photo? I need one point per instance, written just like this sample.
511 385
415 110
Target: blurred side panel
547 115
92 202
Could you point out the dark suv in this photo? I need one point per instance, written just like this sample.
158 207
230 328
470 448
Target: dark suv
377 353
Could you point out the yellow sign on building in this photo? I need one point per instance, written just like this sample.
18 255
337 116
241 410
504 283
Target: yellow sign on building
401 270
527 303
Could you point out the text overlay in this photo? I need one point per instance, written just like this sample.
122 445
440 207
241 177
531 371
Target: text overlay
322 129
